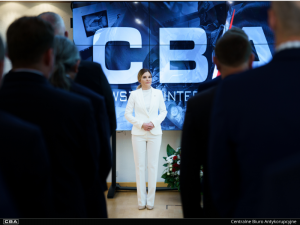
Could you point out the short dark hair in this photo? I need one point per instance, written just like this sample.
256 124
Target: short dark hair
2 51
233 48
28 38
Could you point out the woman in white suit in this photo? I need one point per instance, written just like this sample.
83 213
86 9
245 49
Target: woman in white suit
146 134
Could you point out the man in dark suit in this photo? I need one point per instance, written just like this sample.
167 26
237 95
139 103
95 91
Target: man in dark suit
24 166
96 203
255 120
233 55
66 120
90 74
67 60
101 117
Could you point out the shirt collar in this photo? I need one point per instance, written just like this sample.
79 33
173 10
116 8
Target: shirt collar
29 71
288 45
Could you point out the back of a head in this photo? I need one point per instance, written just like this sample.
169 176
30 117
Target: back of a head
56 21
66 56
233 49
28 38
288 14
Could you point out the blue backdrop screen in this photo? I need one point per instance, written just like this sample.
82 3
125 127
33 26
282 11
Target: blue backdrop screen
175 40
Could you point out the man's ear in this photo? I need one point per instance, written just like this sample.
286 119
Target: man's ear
66 34
49 57
216 61
76 66
48 61
250 62
272 20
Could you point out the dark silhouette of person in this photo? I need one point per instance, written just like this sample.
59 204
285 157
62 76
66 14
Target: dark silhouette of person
66 120
232 55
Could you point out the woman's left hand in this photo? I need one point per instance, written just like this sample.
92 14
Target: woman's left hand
149 127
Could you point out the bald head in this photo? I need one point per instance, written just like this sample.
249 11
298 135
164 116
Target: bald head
56 21
285 18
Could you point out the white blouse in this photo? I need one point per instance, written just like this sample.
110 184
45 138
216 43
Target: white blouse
147 98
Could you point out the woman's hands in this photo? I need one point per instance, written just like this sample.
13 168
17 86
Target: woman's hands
148 126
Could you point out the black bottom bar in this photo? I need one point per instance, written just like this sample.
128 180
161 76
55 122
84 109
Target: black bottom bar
137 221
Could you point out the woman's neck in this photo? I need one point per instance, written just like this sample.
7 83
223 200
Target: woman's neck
145 88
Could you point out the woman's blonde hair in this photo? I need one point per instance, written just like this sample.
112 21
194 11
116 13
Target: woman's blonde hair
140 74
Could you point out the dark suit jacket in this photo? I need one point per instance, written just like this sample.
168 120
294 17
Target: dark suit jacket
280 189
255 122
102 123
25 166
68 126
208 84
98 208
7 206
194 148
90 75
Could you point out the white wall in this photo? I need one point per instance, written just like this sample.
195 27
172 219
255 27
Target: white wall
9 11
125 162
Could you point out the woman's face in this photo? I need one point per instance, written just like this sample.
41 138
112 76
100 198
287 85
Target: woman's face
146 81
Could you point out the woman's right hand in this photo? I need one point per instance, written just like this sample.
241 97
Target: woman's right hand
147 126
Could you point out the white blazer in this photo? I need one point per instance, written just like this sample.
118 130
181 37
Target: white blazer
136 102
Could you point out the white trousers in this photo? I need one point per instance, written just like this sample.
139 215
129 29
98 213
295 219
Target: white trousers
143 144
